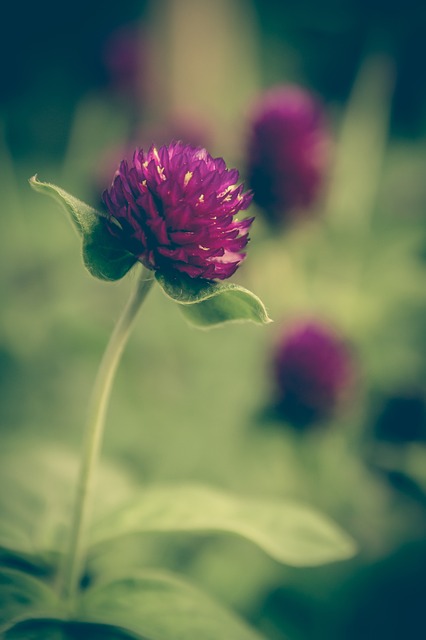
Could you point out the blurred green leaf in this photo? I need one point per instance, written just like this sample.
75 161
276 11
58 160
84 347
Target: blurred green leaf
36 499
362 145
22 596
287 531
159 606
206 304
102 255
51 629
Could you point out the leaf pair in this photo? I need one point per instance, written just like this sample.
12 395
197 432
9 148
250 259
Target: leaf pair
35 510
150 605
203 303
146 605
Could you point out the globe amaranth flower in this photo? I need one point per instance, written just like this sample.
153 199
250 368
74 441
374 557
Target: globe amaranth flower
287 151
312 367
174 208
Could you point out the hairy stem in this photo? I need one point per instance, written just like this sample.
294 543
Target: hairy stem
93 437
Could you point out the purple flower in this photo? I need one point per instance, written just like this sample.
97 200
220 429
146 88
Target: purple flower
188 126
312 369
287 151
174 209
124 58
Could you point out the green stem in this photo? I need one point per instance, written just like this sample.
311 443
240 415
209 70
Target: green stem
93 437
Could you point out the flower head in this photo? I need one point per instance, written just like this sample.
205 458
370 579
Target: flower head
174 209
287 151
312 369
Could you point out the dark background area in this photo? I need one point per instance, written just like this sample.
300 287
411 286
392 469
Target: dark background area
51 56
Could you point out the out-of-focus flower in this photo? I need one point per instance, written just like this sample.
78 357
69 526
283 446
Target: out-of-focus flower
124 59
191 128
313 367
287 151
402 418
174 209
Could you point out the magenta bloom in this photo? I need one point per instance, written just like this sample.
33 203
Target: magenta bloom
287 151
312 369
174 209
124 58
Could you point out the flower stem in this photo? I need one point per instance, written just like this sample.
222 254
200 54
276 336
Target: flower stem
93 436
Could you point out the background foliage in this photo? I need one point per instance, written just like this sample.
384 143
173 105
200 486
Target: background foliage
191 406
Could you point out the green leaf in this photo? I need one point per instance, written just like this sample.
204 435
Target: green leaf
159 606
287 531
53 629
361 145
103 257
36 499
206 304
22 596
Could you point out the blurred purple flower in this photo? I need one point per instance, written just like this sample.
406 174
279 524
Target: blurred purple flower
174 209
124 59
312 367
191 128
287 151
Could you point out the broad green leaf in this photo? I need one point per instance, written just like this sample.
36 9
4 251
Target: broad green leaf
287 531
22 596
102 254
52 629
36 498
206 304
159 606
